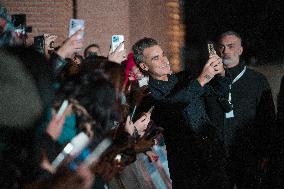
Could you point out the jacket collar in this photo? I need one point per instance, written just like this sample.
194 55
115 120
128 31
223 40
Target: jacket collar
234 71
164 87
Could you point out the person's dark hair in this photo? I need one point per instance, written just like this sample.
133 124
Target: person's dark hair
96 94
90 46
113 71
96 89
139 47
95 60
230 33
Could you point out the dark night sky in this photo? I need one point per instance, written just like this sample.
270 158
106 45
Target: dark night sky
261 24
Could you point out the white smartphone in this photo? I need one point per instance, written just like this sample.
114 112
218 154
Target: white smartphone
73 148
62 108
98 151
75 25
115 41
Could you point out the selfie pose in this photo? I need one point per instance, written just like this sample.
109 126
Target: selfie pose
196 158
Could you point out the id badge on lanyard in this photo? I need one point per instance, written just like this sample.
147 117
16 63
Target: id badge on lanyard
231 113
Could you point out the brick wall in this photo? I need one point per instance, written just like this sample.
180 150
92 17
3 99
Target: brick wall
149 18
103 18
133 18
45 16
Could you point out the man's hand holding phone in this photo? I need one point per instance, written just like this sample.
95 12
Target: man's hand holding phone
213 66
217 65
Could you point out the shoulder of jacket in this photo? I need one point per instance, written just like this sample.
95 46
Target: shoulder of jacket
258 78
256 74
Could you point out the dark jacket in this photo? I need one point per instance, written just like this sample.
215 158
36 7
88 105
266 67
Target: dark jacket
196 158
280 105
276 165
246 135
26 94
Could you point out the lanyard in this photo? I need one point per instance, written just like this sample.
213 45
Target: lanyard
240 75
231 113
235 80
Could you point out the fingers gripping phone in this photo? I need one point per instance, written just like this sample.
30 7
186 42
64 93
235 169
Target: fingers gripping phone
115 42
73 148
75 25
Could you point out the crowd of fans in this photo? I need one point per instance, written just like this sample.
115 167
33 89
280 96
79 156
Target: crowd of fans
73 118
100 104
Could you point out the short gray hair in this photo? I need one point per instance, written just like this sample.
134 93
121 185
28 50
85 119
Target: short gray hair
230 32
139 47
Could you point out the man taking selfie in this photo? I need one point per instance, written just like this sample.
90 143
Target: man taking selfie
196 158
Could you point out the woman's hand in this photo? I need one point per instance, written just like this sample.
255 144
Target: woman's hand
55 126
142 123
117 55
72 45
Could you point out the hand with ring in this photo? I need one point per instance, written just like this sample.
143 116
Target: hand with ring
217 65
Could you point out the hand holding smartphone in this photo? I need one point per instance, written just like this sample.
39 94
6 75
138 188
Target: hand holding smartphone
211 49
72 149
116 40
75 25
62 108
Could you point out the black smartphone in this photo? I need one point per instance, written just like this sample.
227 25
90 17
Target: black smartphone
39 43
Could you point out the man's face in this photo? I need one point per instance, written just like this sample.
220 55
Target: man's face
156 63
230 50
